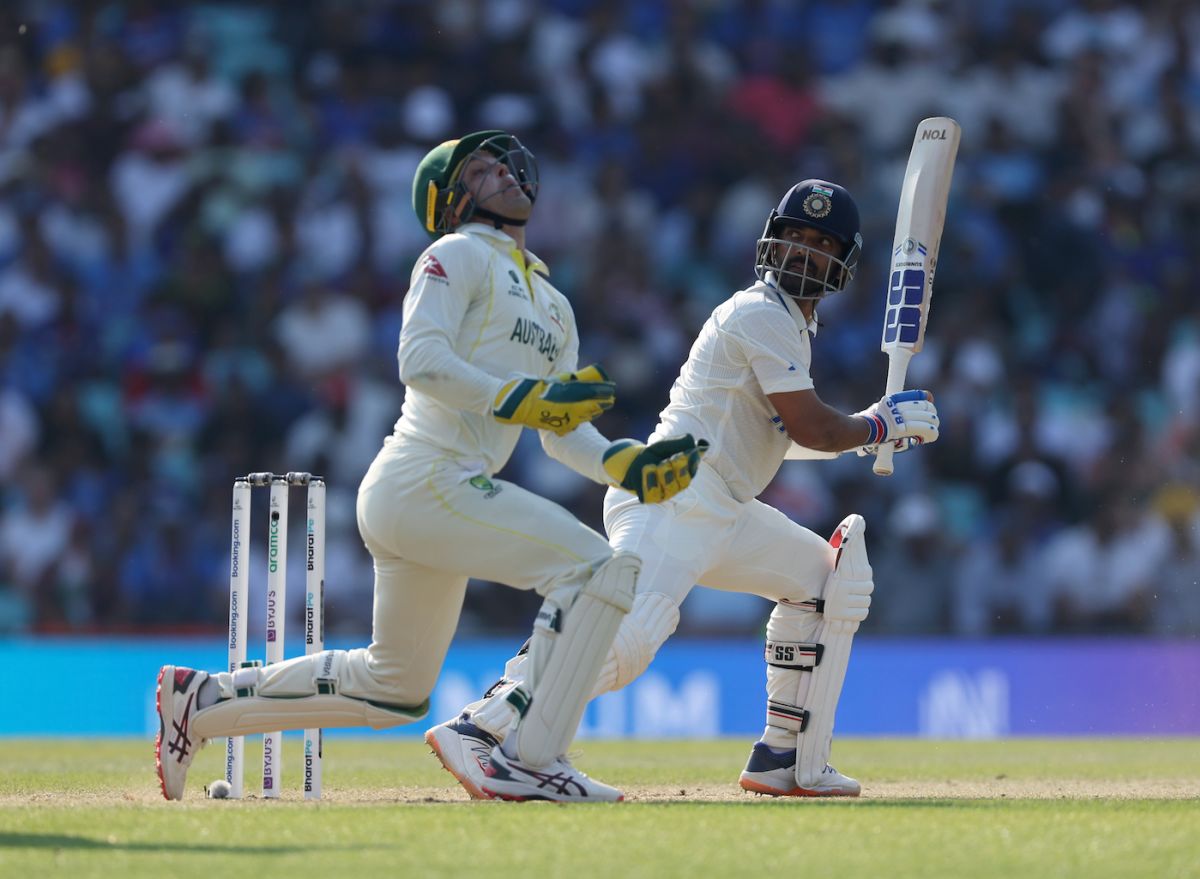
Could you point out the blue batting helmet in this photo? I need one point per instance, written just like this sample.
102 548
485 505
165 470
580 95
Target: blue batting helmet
820 205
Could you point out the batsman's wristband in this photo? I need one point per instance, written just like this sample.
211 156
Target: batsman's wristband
877 428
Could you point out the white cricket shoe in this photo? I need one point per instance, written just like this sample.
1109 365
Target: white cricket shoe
464 750
174 746
510 779
773 773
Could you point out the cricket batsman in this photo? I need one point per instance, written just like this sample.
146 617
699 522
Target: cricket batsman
747 386
488 348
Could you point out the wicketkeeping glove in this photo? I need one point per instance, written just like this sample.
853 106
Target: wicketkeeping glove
908 414
560 403
657 471
592 373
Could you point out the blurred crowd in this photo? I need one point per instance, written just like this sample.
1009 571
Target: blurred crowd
206 235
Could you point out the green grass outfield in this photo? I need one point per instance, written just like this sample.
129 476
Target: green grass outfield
1020 808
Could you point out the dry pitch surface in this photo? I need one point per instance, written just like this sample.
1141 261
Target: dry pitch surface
908 791
394 770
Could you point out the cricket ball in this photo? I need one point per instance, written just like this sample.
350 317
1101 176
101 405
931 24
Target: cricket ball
217 790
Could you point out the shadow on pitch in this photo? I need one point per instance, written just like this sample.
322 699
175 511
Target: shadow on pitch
62 841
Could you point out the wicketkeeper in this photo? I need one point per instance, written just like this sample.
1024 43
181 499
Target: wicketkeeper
488 347
746 385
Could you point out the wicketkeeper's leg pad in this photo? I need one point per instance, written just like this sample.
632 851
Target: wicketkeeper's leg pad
645 628
568 648
808 650
301 693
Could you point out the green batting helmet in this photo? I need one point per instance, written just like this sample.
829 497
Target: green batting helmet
437 190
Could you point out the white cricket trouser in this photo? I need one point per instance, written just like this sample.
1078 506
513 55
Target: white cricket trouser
429 529
704 536
701 536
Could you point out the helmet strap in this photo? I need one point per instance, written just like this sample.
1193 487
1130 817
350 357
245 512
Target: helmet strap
497 220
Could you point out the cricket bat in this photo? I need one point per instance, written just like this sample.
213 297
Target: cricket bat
919 222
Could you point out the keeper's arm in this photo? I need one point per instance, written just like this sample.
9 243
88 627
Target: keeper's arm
434 310
582 450
655 471
431 366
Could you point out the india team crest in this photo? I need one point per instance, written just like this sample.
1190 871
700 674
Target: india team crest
819 202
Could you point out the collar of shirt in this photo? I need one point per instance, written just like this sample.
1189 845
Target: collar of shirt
503 241
793 309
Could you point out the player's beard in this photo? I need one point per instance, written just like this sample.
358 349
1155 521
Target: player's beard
801 287
796 279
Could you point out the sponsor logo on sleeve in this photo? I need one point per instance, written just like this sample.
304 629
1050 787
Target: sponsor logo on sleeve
433 269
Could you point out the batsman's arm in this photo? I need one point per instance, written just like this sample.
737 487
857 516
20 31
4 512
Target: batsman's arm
821 429
812 423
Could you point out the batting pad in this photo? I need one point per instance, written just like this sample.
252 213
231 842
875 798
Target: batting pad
300 693
574 645
791 658
649 624
846 599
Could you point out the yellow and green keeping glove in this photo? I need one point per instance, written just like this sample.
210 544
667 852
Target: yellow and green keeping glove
657 471
560 403
592 373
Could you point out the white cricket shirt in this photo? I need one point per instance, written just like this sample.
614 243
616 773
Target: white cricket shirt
474 316
755 343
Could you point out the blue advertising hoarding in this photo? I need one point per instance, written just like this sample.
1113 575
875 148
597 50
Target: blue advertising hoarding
699 689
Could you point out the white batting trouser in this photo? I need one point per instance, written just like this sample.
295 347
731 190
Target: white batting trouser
429 529
703 536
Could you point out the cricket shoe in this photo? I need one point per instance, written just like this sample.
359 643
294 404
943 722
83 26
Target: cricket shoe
464 750
510 779
773 773
174 746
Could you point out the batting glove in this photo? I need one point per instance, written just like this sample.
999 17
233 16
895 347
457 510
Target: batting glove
560 403
657 471
901 445
907 414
